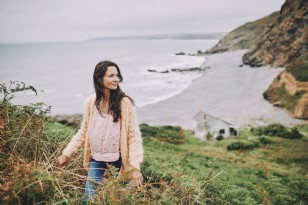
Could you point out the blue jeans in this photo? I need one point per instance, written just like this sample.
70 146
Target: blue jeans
96 173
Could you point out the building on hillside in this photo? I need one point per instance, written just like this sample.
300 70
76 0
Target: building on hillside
210 127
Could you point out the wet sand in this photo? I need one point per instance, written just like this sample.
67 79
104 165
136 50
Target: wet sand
227 91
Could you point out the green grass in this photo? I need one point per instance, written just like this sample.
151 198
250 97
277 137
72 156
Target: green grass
250 177
58 132
303 129
300 72
274 173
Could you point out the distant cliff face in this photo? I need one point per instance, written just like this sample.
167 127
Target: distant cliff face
286 41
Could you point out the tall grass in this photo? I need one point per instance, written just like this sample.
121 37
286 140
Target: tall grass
28 175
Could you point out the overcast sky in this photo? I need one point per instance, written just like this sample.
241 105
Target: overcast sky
73 20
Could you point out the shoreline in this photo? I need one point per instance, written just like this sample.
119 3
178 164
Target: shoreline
227 91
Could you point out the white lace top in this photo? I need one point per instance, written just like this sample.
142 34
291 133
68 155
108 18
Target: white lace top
104 137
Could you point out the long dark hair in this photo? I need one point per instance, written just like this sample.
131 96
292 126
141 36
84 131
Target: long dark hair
115 95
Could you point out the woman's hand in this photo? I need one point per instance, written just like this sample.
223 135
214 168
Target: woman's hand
137 178
62 161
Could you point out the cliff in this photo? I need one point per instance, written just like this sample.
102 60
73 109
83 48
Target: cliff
285 45
281 41
285 41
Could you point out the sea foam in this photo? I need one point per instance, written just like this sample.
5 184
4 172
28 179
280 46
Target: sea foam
152 87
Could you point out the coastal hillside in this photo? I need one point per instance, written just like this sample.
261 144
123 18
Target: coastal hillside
245 36
286 41
285 45
264 165
281 42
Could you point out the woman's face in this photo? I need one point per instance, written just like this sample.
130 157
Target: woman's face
111 79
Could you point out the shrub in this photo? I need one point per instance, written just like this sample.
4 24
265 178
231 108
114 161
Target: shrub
209 136
219 137
148 131
294 134
14 87
171 134
22 127
24 176
242 145
274 130
28 185
278 130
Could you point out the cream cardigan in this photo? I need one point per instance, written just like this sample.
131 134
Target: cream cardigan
131 148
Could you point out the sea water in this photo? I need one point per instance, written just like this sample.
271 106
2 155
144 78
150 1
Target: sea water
62 72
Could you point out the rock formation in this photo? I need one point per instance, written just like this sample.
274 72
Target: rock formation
286 40
285 45
286 92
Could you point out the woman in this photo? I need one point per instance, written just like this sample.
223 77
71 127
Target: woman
109 131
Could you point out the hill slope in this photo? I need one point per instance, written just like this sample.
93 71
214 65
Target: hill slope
245 36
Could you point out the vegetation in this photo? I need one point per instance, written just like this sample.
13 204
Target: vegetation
282 98
220 137
278 130
265 140
250 144
23 150
244 145
169 134
178 169
300 72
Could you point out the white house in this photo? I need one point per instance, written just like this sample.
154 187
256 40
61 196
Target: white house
210 127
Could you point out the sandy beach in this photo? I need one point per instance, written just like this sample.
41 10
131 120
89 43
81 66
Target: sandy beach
227 91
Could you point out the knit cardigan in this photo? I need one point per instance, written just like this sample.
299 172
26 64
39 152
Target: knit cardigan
131 148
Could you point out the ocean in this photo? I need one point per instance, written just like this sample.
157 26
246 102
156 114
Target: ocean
62 72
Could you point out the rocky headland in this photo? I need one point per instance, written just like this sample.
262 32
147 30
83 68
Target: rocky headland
278 40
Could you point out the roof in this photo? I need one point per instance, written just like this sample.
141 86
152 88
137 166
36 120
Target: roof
211 119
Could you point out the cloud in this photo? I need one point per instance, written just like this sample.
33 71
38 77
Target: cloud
58 20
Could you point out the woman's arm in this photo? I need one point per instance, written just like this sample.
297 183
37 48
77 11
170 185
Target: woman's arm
135 146
78 139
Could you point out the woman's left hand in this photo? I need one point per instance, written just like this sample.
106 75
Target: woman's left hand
137 178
